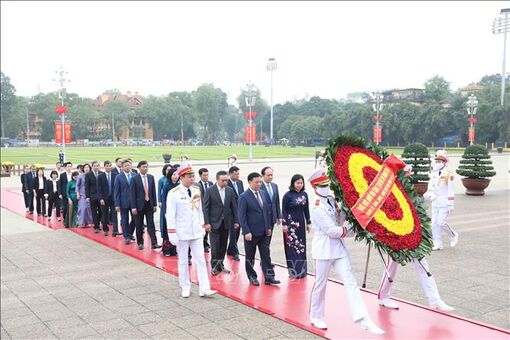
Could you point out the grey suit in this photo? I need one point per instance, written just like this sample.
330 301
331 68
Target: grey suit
221 216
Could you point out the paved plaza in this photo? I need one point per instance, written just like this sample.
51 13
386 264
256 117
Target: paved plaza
57 284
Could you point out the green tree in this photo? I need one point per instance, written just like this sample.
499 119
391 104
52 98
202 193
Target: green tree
119 113
210 106
7 103
306 128
436 89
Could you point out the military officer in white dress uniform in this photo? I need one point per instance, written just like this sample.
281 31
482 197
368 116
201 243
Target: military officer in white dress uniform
441 192
422 269
328 250
184 215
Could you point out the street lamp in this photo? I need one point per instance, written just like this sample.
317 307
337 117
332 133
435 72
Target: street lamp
271 66
250 101
472 104
61 80
377 99
502 25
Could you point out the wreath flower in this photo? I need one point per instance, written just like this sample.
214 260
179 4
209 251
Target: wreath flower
401 226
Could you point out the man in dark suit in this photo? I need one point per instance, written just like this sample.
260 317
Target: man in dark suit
220 214
254 209
24 190
144 204
204 183
121 197
29 185
272 190
94 197
65 178
117 169
237 185
106 185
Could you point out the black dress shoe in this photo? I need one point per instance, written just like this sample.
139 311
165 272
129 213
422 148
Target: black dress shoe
225 270
140 246
207 249
189 261
272 282
214 272
132 238
106 233
254 281
156 246
96 231
114 234
127 241
236 257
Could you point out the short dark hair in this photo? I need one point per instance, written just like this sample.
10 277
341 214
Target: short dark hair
165 167
75 173
233 169
67 163
253 175
79 166
53 172
170 173
142 163
221 173
202 170
263 171
293 181
107 163
94 162
126 161
86 164
117 159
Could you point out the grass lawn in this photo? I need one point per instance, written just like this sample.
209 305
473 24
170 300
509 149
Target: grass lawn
49 155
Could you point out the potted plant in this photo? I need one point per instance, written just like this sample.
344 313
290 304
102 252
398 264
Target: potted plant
7 169
167 157
476 167
417 155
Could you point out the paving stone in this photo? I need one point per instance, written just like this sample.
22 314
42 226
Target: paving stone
20 321
106 326
142 318
32 331
188 321
76 332
125 333
158 328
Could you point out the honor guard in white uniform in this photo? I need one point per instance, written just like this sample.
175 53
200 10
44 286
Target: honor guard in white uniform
421 266
328 250
441 192
184 215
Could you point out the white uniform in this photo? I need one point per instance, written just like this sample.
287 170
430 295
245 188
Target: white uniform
184 214
329 250
441 192
428 283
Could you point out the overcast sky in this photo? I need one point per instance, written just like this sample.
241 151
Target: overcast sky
326 49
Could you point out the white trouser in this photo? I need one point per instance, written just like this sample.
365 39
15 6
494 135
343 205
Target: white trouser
439 215
344 270
428 283
197 253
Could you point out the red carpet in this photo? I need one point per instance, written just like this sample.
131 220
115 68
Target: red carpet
290 300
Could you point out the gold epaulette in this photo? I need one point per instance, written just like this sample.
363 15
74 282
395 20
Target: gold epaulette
175 189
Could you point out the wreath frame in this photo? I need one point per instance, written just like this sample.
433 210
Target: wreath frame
402 256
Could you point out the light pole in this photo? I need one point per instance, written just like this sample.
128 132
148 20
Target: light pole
377 99
61 80
472 104
502 25
113 126
271 66
28 126
250 101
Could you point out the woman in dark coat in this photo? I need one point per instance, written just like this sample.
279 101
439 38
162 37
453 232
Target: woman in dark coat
172 181
39 186
296 222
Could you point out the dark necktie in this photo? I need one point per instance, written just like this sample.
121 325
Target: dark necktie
331 205
258 198
189 192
